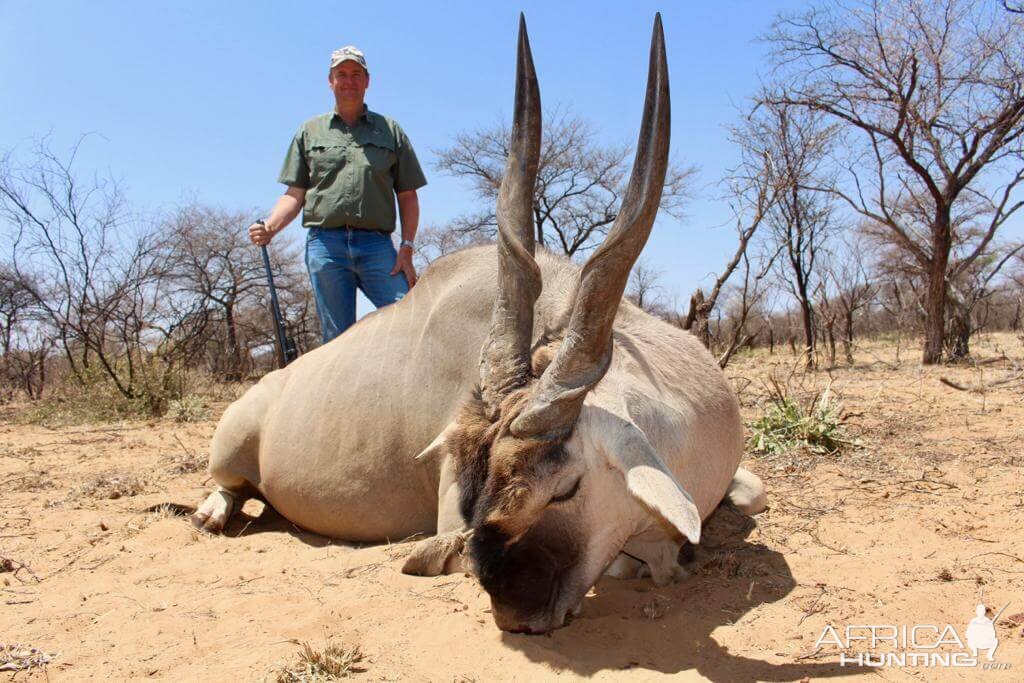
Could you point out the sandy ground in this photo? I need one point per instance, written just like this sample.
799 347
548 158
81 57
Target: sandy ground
912 527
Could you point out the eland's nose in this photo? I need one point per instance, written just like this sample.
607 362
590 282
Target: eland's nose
514 624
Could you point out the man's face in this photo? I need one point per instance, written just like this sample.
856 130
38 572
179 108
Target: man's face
348 82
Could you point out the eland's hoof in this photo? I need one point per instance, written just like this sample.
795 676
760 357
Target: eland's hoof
214 513
441 554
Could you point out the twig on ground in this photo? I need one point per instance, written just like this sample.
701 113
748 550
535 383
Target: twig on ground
814 609
980 388
996 552
814 535
14 567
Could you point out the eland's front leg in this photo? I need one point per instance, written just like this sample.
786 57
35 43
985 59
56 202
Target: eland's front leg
443 553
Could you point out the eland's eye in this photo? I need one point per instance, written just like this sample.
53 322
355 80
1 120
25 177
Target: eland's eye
568 494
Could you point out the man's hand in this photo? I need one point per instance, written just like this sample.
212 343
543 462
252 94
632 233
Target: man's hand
260 234
404 265
286 209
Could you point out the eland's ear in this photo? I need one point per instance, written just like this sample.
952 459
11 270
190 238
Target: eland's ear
650 481
438 446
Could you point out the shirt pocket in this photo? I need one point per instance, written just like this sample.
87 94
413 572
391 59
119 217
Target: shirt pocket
380 155
325 160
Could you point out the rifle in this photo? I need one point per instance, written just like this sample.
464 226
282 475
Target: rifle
285 346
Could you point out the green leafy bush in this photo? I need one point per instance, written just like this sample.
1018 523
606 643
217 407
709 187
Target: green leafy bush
789 424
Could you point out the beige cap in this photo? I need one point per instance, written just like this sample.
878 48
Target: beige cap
348 53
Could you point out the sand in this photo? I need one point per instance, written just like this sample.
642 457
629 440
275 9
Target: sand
914 526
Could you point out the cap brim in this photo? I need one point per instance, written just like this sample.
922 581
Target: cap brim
348 59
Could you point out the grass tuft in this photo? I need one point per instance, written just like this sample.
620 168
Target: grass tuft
331 663
113 486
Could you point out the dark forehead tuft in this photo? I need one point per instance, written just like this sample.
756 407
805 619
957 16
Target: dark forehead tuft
489 460
470 446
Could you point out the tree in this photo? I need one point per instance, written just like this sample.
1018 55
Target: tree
215 266
752 189
975 261
643 288
742 302
796 143
968 290
580 183
433 242
24 344
934 95
89 269
846 275
98 278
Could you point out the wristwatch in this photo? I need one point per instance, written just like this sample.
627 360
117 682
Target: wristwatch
406 243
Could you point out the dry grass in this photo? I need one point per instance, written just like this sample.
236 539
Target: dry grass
331 663
157 513
112 486
189 408
28 482
186 463
18 657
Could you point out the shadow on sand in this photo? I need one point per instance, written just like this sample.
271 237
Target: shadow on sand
635 625
249 522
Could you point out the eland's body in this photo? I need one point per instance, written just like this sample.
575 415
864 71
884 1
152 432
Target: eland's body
330 440
512 404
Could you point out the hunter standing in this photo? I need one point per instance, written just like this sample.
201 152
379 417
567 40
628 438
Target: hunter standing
344 170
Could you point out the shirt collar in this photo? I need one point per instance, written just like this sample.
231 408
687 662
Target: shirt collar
364 117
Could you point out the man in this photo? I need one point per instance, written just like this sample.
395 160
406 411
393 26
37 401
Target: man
344 170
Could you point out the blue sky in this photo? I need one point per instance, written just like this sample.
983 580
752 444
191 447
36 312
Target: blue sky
191 100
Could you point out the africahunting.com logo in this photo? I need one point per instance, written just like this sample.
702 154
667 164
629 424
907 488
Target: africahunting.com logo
918 645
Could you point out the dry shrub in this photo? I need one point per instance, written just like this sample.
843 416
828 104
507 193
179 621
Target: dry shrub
187 463
190 408
734 562
112 486
23 453
29 482
727 564
94 398
17 657
332 663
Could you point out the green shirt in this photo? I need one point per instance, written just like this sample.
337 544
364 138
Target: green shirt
351 174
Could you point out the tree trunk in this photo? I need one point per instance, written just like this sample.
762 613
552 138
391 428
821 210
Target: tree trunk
848 338
234 368
808 319
42 373
959 338
830 334
935 309
697 319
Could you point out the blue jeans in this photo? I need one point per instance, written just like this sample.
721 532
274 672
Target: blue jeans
340 260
